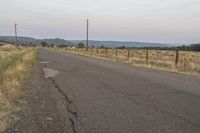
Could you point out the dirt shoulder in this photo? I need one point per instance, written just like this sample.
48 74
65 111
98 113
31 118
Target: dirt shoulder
45 107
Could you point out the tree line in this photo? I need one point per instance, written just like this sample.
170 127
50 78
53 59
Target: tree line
192 47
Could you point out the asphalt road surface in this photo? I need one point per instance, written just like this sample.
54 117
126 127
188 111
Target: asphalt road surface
76 94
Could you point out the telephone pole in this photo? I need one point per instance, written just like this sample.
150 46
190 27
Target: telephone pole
16 35
87 34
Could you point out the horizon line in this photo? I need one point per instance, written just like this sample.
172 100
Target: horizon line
177 43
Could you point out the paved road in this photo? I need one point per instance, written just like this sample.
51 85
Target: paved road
86 95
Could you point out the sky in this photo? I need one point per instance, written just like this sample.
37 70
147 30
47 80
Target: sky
164 21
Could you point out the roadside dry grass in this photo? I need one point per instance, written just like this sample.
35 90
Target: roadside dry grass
188 62
15 65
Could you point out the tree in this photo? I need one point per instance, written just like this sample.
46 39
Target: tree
44 44
62 45
121 47
195 47
52 45
81 45
102 46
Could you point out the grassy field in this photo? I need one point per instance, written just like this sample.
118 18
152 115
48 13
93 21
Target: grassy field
15 64
188 62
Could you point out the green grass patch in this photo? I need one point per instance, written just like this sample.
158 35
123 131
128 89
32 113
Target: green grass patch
10 62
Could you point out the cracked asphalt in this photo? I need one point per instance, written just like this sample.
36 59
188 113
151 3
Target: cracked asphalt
95 96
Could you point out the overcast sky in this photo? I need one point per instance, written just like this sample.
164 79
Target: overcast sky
166 21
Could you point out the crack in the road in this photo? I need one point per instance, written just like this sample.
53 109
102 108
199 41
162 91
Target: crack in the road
65 96
73 125
73 119
73 113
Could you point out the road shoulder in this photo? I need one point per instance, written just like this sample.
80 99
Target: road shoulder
45 108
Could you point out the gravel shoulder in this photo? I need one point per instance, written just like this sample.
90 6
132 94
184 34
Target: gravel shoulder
45 107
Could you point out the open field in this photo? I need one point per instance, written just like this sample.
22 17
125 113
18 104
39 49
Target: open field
182 62
15 63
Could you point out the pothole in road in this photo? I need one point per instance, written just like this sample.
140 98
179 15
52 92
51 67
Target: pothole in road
50 73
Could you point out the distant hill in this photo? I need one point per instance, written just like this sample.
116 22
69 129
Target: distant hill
22 40
58 41
28 40
121 43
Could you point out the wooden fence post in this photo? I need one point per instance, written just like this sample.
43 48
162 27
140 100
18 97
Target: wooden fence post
177 58
116 52
92 51
128 53
99 51
147 56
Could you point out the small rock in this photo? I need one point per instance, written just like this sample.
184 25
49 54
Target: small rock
49 119
16 129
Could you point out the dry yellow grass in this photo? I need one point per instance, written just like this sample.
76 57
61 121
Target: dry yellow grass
12 78
4 52
189 62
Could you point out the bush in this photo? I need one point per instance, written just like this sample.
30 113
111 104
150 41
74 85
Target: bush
81 45
44 44
195 47
63 45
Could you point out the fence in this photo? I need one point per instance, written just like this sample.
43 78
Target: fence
178 60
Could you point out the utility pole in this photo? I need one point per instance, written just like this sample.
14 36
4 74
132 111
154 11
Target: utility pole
16 35
87 34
